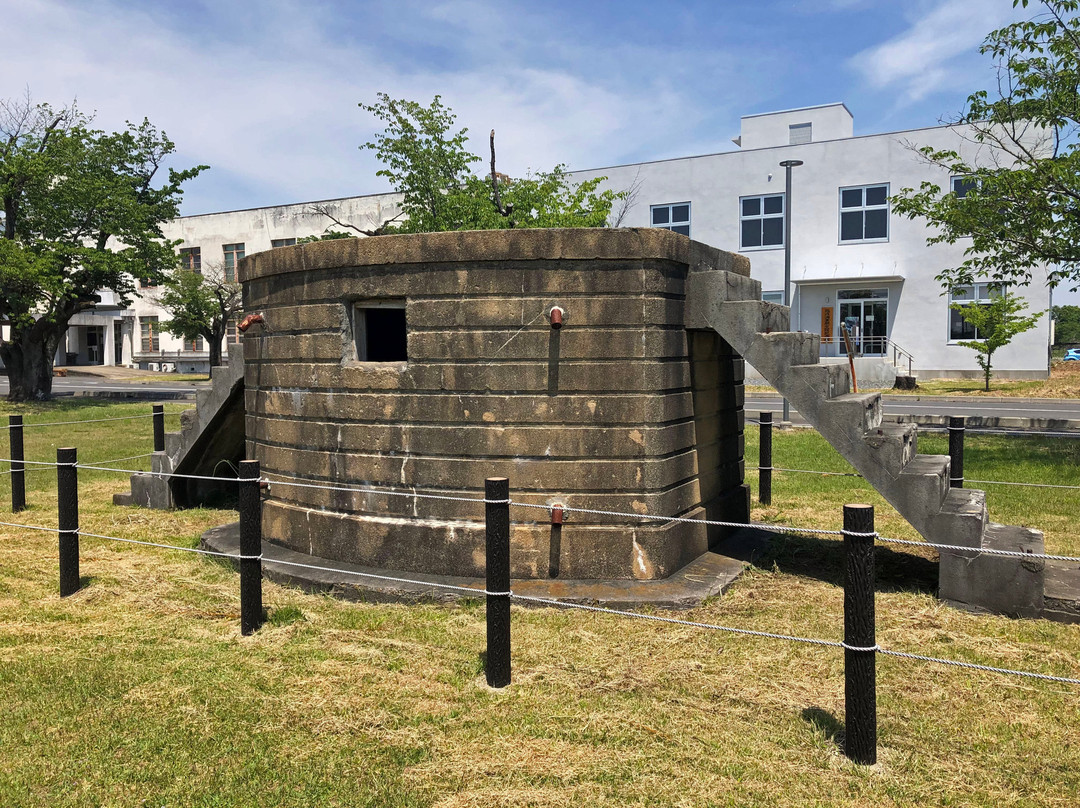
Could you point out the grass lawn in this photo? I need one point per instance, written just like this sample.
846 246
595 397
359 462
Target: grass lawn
140 691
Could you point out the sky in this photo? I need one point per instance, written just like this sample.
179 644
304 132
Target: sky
266 93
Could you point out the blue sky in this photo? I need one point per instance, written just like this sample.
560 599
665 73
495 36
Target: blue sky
266 92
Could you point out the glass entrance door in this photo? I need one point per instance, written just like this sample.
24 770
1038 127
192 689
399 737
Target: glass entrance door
865 313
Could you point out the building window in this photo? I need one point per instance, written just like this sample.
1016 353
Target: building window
281 242
773 297
961 185
233 335
148 329
233 254
191 259
193 345
864 213
672 217
379 331
799 133
761 220
147 283
981 293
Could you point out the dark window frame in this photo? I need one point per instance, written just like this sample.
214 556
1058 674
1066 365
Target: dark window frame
864 211
746 222
664 217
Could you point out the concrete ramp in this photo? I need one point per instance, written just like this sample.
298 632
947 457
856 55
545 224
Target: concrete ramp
210 443
917 485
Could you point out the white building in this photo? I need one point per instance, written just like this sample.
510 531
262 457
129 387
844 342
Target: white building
852 260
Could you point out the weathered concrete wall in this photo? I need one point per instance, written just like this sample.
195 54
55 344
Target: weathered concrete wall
622 409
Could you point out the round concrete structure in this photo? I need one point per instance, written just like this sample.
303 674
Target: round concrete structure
405 365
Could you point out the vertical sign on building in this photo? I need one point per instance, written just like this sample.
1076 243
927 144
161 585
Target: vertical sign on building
826 325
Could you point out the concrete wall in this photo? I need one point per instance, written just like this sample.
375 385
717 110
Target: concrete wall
622 409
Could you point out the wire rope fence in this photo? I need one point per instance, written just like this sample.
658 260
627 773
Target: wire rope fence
956 430
253 557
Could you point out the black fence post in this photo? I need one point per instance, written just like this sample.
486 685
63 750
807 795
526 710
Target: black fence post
956 451
860 647
251 606
18 468
159 428
497 518
67 505
765 459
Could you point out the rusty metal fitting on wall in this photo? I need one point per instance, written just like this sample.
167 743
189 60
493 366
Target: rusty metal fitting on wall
250 320
556 316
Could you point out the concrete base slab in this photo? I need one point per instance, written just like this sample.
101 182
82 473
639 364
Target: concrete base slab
707 576
1061 598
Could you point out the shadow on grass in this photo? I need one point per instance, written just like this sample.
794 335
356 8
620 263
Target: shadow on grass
827 724
823 560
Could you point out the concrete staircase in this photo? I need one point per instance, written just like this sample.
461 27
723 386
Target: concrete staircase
210 443
917 485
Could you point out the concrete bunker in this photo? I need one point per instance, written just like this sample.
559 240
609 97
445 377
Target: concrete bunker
424 364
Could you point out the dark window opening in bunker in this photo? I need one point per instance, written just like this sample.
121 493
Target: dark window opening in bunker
380 332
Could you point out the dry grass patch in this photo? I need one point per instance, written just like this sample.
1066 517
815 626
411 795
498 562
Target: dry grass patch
139 690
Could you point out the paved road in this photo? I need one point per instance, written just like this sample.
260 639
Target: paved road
1042 409
70 385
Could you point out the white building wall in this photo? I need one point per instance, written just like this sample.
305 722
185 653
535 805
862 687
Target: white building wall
255 229
827 122
918 311
822 265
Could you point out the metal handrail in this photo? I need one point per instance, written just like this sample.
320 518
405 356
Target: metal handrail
877 346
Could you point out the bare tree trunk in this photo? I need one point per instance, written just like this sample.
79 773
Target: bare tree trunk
213 343
28 359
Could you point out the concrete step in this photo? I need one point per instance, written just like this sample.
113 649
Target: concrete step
706 292
774 354
173 442
893 444
745 319
188 418
920 490
962 519
998 584
858 412
826 381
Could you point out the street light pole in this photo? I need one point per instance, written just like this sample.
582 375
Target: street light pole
787 166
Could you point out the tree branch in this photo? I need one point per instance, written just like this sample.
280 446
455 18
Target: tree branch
496 200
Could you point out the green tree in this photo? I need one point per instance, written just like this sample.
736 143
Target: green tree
1019 202
81 214
424 159
428 163
995 323
201 304
1066 325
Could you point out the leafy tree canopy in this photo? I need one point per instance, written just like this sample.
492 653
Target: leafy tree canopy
1067 325
429 164
82 213
201 304
1020 201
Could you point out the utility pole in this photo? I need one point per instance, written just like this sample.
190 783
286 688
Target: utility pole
787 166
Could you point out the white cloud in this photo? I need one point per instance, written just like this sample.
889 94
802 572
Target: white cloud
935 53
269 99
